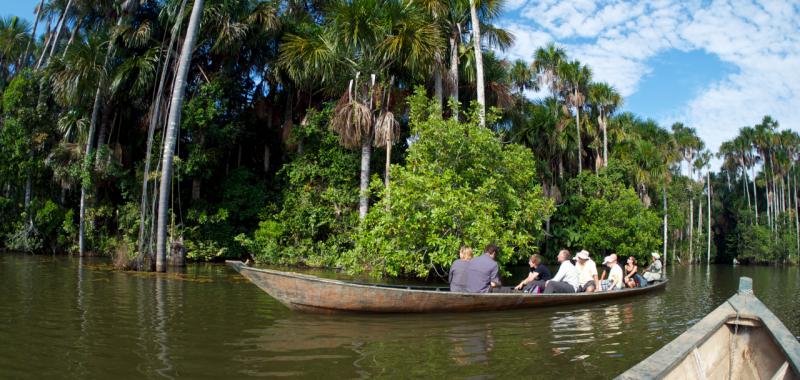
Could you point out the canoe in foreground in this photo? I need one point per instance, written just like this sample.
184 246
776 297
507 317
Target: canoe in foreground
741 339
309 293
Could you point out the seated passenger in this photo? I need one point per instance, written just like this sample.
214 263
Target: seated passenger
458 271
539 274
483 272
653 272
566 279
631 271
587 272
615 277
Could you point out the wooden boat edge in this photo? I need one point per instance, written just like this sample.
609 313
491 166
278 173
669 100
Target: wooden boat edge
239 267
743 305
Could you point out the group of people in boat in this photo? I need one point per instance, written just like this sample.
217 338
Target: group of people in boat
481 274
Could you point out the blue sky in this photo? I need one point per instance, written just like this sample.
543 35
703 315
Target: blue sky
715 65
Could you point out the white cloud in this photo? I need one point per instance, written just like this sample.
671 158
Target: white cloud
618 38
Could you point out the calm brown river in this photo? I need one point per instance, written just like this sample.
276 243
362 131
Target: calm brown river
66 318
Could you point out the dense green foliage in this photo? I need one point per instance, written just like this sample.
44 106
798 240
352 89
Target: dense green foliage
290 110
459 186
604 216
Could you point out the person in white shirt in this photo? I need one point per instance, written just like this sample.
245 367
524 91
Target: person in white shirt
566 280
587 272
615 276
653 272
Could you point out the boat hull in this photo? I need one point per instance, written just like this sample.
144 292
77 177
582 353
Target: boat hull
318 295
741 339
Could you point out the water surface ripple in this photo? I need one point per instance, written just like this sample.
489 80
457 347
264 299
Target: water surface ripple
72 318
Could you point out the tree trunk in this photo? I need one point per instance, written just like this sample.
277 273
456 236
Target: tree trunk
796 216
691 227
176 106
438 91
476 40
72 37
155 116
666 220
61 25
25 57
605 140
452 75
708 238
48 37
578 128
755 192
266 158
366 152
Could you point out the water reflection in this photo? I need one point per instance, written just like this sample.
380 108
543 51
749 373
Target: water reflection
78 318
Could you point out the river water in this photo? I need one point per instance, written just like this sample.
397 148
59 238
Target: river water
65 317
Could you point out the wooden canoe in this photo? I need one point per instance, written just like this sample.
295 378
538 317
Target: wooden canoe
741 339
313 294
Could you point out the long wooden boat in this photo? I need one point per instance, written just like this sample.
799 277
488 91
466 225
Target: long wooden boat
313 294
741 339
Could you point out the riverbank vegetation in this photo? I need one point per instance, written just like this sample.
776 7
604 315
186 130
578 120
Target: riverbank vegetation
371 135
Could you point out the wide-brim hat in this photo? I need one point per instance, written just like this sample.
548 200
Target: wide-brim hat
656 255
606 259
583 255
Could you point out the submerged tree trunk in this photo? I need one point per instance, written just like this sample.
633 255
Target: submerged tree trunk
176 106
476 40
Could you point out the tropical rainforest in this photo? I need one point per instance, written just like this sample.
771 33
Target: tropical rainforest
369 135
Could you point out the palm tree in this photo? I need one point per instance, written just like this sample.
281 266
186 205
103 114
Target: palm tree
606 100
173 123
576 78
25 57
13 36
364 36
127 8
476 40
546 63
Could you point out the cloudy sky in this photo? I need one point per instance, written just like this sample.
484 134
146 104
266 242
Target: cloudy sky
714 65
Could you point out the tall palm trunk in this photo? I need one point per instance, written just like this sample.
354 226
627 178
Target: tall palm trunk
48 37
61 25
438 90
476 40
578 129
452 74
796 216
605 141
155 118
691 228
176 106
72 35
666 220
708 238
25 57
755 192
366 153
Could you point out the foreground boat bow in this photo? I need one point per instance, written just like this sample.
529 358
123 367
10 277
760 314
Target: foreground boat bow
314 294
741 339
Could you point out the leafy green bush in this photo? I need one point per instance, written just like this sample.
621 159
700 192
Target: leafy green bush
460 185
315 215
604 216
